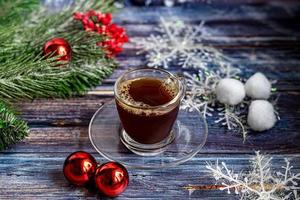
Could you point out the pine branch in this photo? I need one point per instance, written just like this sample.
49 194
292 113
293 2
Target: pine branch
14 11
27 74
12 129
45 79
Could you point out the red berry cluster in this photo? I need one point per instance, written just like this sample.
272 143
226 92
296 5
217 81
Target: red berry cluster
102 24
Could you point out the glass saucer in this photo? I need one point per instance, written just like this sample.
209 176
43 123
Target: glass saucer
190 132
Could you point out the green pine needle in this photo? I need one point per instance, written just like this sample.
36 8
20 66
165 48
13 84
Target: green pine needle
12 129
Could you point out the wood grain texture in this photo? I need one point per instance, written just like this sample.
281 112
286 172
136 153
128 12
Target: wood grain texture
258 35
39 176
67 125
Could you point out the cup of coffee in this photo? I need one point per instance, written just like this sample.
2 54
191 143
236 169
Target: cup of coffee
148 102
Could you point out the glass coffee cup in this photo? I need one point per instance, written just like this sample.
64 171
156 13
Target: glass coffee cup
148 101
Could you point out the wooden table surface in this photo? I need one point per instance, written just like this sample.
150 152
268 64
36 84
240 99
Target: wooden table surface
259 35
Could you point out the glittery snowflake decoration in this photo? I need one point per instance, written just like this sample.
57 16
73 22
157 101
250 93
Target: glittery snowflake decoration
201 95
200 92
261 182
233 118
180 43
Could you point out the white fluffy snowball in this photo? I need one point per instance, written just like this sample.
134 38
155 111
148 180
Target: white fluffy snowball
230 91
258 86
261 115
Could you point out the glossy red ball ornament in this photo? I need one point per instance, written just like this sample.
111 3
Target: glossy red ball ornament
111 179
58 47
79 168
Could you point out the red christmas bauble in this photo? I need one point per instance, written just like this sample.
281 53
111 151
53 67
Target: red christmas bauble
79 168
58 47
111 179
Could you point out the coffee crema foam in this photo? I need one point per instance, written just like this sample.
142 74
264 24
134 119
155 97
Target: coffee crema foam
145 109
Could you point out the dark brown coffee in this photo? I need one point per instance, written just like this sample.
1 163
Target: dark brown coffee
142 122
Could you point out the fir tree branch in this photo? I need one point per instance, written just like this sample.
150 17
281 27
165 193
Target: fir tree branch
12 129
26 74
14 11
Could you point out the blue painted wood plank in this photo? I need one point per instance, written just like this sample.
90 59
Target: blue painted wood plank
40 175
72 118
197 12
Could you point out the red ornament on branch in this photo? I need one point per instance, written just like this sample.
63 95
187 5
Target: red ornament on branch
79 168
102 24
111 179
58 47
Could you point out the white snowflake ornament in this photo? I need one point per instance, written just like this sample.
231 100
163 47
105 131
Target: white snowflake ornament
261 182
258 86
181 43
261 115
230 91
